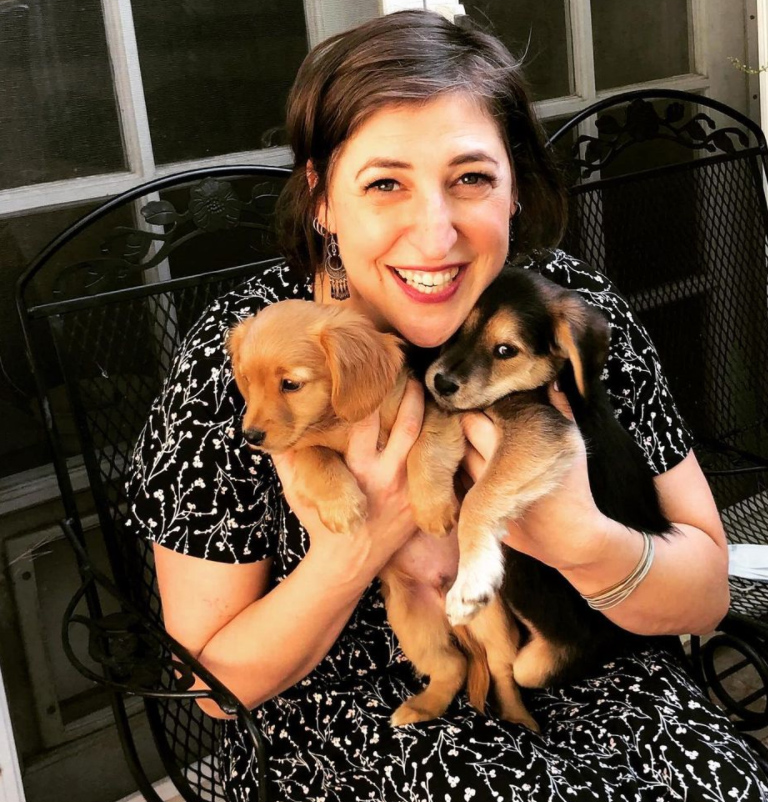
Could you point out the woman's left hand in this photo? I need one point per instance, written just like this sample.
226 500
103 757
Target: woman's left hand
563 529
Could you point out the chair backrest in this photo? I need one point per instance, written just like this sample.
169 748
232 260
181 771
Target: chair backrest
668 200
101 331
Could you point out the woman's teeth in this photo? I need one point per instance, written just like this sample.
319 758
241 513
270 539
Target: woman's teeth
428 283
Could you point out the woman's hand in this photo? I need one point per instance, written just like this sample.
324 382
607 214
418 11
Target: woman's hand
381 475
562 529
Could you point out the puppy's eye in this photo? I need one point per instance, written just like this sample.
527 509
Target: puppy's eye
505 351
290 386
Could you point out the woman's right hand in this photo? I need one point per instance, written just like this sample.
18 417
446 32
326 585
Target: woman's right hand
382 476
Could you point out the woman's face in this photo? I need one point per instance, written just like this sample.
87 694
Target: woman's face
420 198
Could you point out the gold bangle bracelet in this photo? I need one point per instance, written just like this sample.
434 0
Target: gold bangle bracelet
621 590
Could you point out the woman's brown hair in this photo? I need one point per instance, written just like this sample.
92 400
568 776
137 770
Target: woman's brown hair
411 57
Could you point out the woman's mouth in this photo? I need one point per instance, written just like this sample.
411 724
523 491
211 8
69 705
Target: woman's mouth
430 285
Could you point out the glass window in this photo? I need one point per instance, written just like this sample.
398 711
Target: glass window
637 42
536 29
216 75
58 115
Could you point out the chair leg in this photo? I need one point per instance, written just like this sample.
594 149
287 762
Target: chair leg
129 750
752 655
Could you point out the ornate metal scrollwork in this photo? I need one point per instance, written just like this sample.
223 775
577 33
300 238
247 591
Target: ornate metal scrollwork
642 123
123 645
213 206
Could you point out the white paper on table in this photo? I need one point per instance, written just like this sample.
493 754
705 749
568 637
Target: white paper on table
748 560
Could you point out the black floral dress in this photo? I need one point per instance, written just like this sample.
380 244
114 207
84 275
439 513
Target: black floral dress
639 731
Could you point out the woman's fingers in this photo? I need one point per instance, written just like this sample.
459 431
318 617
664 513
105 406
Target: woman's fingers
473 464
363 442
481 432
483 439
285 466
407 427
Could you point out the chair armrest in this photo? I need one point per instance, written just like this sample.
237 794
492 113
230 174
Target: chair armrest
137 656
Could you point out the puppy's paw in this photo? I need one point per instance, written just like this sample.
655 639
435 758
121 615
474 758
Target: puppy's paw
345 513
476 584
412 712
437 516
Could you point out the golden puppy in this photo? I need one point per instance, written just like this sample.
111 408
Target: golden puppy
307 372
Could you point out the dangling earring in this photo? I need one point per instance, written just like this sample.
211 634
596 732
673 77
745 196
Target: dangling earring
332 264
334 267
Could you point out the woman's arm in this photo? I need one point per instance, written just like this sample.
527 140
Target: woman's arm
686 589
259 643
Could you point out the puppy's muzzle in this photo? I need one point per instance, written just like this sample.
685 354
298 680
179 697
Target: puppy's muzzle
444 385
254 437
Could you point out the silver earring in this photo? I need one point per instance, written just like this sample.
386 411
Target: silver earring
319 227
334 267
519 207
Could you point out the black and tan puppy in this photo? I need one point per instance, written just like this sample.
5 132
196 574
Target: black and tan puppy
307 372
524 332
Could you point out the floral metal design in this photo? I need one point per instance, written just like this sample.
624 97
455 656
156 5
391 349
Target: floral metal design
213 206
642 123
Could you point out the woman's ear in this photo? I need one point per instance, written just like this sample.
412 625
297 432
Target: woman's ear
322 210
311 175
363 363
581 335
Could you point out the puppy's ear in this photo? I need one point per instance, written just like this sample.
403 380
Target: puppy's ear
364 365
234 345
581 335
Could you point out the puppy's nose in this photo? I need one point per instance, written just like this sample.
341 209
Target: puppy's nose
254 436
445 386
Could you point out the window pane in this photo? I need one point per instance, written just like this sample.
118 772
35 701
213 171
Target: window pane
537 28
216 75
58 116
637 42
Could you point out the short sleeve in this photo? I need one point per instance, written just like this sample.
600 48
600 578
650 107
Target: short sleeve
194 485
636 383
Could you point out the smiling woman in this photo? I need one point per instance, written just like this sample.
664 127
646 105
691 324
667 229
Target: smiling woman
420 166
424 227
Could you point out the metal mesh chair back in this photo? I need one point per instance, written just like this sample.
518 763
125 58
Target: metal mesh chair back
668 200
114 321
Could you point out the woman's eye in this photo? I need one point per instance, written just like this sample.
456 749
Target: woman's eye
505 351
474 179
290 386
383 185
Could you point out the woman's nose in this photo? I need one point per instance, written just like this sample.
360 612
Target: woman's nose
433 228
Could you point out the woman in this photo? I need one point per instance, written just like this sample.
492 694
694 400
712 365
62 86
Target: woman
418 161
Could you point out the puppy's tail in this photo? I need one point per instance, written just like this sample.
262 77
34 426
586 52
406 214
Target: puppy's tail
478 670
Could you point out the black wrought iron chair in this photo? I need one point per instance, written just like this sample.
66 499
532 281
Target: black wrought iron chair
668 199
100 334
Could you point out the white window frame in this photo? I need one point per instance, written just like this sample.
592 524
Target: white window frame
11 787
762 47
123 50
134 124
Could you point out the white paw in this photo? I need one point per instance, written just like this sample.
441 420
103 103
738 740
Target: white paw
476 584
